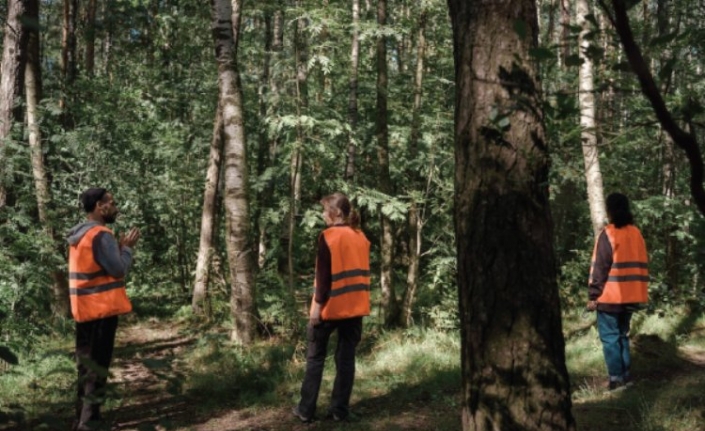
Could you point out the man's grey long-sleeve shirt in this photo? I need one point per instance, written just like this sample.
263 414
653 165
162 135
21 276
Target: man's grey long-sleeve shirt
115 260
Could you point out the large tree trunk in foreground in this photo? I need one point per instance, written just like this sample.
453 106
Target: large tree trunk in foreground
588 133
11 77
513 352
226 22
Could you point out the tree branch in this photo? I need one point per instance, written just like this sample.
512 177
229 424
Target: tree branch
683 139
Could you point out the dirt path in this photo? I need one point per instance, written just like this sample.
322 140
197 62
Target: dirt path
148 372
147 365
145 369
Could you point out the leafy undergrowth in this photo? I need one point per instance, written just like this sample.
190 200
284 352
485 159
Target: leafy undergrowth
168 377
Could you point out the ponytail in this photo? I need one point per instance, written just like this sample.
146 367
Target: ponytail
341 203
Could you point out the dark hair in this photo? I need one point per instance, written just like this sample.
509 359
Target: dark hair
618 210
91 197
341 202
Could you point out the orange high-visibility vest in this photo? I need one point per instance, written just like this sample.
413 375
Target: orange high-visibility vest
350 274
94 294
628 278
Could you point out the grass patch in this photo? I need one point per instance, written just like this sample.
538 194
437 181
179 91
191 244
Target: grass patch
669 394
39 388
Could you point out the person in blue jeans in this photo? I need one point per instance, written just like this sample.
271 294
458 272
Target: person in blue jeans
618 285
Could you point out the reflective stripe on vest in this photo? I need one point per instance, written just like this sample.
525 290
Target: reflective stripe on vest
350 274
628 278
93 292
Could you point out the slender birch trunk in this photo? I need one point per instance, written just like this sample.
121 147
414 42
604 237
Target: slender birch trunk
588 135
295 163
414 221
208 216
226 26
269 108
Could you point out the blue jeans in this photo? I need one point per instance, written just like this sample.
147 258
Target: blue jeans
614 334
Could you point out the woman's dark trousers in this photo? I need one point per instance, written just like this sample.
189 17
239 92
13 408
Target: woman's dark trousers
349 334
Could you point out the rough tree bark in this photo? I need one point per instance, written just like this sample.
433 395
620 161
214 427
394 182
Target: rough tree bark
226 26
90 36
512 348
588 132
11 80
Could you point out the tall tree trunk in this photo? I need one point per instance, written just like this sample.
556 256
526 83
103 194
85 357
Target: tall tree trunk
263 159
414 222
90 36
588 135
513 352
208 216
107 11
269 108
565 30
226 26
68 59
352 97
301 64
33 92
672 248
11 80
390 305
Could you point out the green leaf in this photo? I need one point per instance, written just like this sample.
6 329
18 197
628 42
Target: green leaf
573 60
155 364
595 53
521 29
7 355
541 53
666 69
631 3
622 66
493 113
663 39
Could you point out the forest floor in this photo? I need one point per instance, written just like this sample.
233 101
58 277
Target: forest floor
147 403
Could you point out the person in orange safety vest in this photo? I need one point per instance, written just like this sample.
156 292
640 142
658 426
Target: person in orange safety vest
341 299
618 285
98 265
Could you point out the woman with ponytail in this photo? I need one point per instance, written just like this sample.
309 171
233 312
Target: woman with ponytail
341 298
